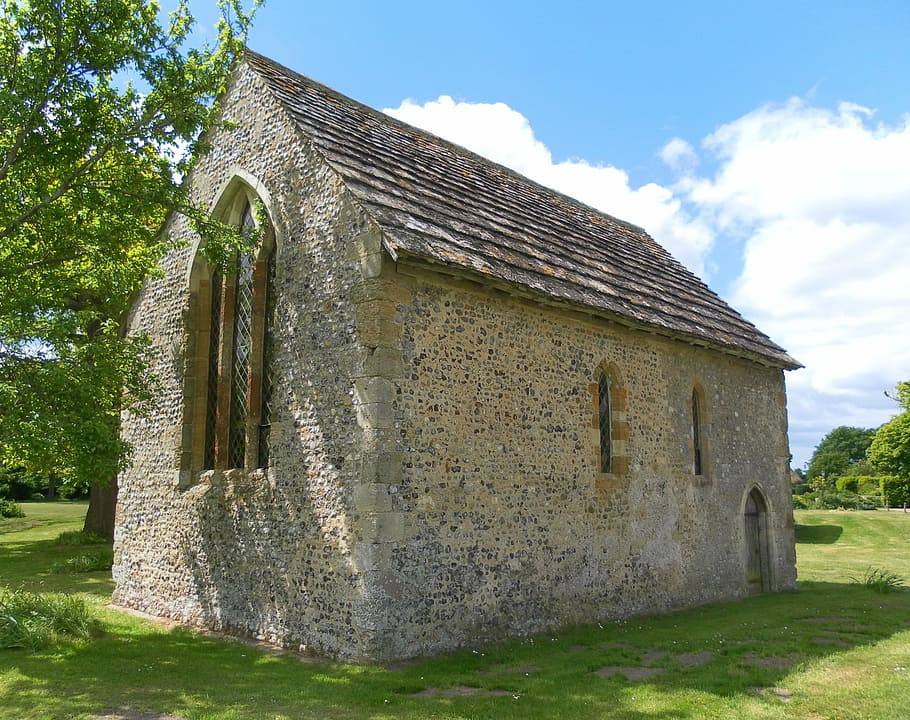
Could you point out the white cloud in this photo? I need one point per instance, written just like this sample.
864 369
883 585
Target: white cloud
793 160
493 130
819 197
679 155
504 135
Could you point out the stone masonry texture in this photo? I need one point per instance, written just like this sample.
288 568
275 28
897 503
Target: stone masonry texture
434 474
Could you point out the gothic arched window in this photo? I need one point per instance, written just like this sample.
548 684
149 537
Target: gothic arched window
238 368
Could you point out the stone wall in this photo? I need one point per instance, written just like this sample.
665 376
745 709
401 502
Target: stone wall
267 552
510 527
433 479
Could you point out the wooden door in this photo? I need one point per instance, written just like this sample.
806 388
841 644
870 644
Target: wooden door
757 571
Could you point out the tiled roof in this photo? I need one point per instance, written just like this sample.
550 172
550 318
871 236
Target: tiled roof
442 203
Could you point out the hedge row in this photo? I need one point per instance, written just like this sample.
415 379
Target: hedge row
895 490
860 484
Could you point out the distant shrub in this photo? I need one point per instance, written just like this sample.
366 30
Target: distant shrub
800 488
35 620
10 509
869 485
803 502
845 500
848 484
895 490
100 560
880 580
17 484
80 537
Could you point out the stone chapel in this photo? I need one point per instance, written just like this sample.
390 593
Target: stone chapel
438 404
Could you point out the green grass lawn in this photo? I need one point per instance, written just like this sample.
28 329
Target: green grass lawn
833 649
834 546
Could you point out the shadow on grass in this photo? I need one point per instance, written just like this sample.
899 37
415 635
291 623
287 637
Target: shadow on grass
818 534
709 658
28 565
40 515
8 527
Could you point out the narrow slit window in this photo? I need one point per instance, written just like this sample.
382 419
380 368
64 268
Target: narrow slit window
696 434
606 424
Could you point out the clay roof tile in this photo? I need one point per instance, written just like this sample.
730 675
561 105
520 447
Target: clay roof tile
442 203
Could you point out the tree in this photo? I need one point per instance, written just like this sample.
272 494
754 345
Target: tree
838 450
902 394
89 170
890 448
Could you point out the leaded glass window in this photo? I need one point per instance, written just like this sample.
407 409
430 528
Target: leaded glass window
213 360
268 366
240 360
239 386
606 423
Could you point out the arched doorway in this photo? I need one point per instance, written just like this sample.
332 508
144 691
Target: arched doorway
758 567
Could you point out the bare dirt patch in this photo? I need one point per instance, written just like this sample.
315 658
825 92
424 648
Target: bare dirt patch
653 656
614 646
771 662
780 693
630 673
461 691
126 714
695 659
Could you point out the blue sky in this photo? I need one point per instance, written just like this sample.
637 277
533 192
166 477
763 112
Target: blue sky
766 145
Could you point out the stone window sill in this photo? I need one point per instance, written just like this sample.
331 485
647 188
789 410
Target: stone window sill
610 481
235 477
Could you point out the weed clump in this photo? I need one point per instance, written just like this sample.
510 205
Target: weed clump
10 509
79 538
100 560
32 621
880 580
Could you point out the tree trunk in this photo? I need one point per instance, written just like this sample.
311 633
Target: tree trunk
102 498
102 504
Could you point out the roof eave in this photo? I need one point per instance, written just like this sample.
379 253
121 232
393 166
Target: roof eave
402 256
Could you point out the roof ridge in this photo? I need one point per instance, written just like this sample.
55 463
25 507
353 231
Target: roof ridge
437 200
461 149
